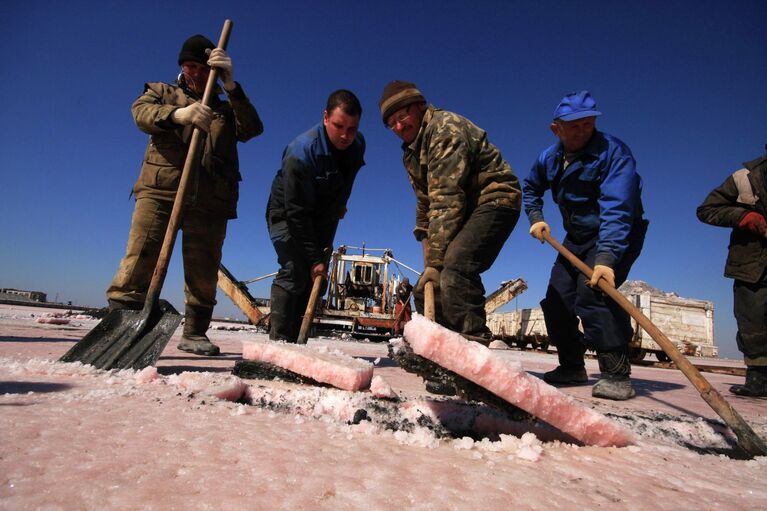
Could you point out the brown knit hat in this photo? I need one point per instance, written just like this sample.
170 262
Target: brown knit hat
398 94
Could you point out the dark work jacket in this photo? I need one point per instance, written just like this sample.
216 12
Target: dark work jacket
725 206
311 189
215 184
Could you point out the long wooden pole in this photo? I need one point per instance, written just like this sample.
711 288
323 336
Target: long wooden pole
747 439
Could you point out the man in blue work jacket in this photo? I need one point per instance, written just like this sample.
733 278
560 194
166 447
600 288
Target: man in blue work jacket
593 180
307 200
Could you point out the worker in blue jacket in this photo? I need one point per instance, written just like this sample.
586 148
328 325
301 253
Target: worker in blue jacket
308 198
593 180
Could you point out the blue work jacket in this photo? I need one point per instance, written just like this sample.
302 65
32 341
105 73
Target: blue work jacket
598 194
312 187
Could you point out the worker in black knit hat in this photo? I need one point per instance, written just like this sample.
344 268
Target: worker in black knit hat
467 202
167 113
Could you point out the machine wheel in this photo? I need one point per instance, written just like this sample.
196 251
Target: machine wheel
636 355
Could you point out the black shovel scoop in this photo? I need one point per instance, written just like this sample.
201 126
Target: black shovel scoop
135 339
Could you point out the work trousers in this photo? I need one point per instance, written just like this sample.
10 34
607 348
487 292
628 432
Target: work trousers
293 282
606 326
202 240
460 300
750 304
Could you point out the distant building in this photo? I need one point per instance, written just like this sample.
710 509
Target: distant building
21 295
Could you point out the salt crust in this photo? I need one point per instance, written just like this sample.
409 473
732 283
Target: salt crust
321 364
509 381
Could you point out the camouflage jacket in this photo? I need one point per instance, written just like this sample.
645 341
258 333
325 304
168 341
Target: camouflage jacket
453 169
215 186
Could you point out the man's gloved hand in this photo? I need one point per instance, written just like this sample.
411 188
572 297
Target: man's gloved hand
318 269
430 274
196 113
223 62
754 222
602 272
538 228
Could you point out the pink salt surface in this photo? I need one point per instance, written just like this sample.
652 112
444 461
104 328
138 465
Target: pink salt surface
510 382
74 438
322 365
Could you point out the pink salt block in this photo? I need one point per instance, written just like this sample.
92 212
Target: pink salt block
54 321
381 388
228 388
510 382
334 368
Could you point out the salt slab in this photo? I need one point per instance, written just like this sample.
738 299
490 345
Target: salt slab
510 382
331 367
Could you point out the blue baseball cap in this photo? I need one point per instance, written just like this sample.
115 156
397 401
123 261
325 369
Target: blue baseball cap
576 105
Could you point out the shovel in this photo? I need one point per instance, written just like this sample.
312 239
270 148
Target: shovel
135 339
747 439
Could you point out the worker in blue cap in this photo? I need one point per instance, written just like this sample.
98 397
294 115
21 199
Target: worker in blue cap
592 177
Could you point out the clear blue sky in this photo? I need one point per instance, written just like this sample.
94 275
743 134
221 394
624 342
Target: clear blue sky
682 83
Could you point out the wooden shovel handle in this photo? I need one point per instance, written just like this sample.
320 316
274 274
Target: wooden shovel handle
429 309
747 439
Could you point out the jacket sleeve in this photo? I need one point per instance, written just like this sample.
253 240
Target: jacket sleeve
448 172
533 188
150 114
300 205
246 117
619 202
721 207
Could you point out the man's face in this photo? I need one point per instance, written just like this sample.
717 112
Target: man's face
406 122
574 135
196 75
341 127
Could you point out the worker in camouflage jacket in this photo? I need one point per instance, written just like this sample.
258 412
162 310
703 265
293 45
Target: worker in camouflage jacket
307 200
467 203
168 113
741 204
593 179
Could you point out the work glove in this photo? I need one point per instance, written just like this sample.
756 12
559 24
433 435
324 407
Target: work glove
538 228
318 269
430 274
223 62
196 113
754 222
602 272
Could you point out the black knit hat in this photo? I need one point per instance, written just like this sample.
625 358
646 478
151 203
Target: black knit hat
194 49
398 94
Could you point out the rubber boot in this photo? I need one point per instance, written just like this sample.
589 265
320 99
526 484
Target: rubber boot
615 382
282 323
572 368
756 383
194 339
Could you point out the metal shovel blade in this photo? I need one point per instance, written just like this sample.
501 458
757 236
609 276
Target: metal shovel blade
127 339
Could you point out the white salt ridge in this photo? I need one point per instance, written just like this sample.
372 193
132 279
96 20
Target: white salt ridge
322 365
510 382
381 388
